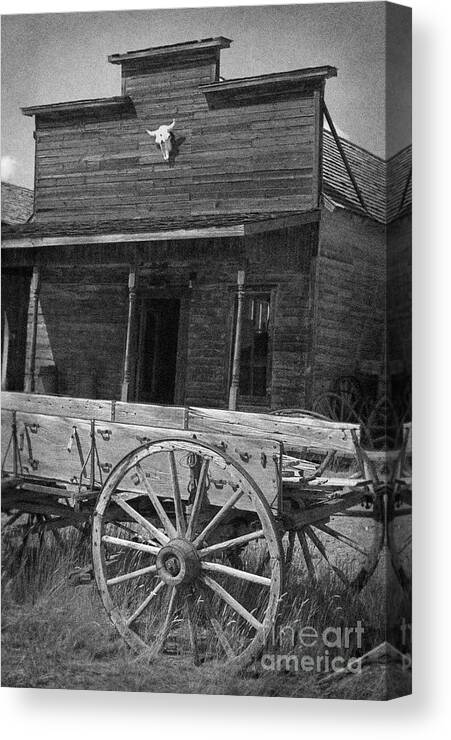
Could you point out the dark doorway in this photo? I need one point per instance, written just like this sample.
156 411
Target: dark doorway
15 297
158 351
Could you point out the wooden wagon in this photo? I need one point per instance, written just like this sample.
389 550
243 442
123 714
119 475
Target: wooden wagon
195 512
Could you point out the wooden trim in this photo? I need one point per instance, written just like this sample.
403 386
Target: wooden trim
30 362
317 151
344 157
5 349
75 106
220 42
234 386
209 232
295 75
132 278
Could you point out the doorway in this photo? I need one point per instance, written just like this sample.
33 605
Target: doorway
157 352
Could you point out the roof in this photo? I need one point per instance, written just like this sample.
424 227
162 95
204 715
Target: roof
117 104
385 185
44 233
17 204
182 49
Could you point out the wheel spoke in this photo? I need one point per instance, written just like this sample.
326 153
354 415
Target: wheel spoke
219 632
179 515
152 549
167 623
219 517
233 603
158 506
341 537
242 574
148 526
145 603
199 497
190 616
307 556
133 574
319 546
235 542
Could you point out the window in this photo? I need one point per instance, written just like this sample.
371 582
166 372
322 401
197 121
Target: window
255 346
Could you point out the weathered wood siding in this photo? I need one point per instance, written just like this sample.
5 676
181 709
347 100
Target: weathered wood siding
83 312
81 329
350 298
399 297
246 158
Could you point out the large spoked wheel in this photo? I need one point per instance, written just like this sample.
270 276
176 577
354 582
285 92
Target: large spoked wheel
348 545
187 557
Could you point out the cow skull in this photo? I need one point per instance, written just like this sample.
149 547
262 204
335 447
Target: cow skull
164 139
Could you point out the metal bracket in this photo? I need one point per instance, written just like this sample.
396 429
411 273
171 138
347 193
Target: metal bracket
105 434
244 456
143 440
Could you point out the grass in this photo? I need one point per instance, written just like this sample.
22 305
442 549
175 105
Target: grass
56 635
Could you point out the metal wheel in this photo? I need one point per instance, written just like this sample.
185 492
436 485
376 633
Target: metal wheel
180 533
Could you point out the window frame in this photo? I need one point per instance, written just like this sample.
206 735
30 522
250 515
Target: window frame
255 289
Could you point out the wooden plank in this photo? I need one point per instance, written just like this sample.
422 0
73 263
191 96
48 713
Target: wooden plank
46 441
6 441
166 417
259 457
82 408
311 433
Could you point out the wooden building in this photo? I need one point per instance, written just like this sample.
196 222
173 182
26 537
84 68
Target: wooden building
131 264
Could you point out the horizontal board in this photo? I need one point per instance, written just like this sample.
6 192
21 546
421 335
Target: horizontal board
312 433
57 448
304 431
82 408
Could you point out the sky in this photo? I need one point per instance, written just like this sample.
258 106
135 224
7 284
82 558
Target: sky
53 57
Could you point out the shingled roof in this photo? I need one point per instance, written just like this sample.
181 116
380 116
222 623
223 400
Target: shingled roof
385 185
17 203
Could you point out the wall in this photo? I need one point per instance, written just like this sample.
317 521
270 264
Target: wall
351 298
399 299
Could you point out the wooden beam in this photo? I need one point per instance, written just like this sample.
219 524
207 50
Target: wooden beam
344 157
125 391
234 386
29 384
243 228
5 350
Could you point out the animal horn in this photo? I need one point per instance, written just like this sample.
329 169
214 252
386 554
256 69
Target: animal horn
171 125
151 133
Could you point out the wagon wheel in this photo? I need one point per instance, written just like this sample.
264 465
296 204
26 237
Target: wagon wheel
337 407
384 427
400 539
348 545
349 388
159 563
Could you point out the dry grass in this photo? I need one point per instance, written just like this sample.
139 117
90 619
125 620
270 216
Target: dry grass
55 635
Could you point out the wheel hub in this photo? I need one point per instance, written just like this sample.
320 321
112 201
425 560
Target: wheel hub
178 562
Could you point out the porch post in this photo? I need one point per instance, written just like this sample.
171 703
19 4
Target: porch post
5 351
234 386
33 309
125 390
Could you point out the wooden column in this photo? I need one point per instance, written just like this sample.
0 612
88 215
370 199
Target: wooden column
234 386
29 384
125 390
5 351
